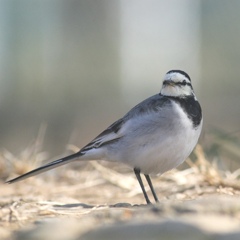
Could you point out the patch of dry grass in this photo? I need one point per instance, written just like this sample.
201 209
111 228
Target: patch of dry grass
83 188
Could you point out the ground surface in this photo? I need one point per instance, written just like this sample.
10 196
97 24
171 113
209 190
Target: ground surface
102 201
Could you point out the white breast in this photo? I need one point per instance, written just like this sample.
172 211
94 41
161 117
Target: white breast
168 145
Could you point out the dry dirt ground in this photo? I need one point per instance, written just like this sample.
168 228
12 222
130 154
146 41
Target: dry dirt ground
103 201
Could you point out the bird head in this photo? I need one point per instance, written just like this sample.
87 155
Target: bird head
177 83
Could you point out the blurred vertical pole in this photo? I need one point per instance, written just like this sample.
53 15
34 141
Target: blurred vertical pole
157 36
220 63
3 52
61 58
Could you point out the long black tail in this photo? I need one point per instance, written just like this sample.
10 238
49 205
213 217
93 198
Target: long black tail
47 167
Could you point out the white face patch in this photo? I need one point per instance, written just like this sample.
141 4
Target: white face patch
176 84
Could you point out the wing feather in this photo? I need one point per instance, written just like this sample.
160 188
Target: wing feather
112 133
119 128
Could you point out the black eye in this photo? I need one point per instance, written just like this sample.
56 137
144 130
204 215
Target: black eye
184 82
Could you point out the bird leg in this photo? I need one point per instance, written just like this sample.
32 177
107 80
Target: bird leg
137 173
151 187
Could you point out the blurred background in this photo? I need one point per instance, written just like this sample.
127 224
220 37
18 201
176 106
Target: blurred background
68 69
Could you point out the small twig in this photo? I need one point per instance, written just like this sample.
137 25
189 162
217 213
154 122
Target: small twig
122 181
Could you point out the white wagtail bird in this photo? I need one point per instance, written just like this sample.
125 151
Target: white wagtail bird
155 136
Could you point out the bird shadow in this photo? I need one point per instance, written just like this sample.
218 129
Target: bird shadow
89 206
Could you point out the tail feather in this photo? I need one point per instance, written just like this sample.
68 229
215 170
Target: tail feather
46 167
